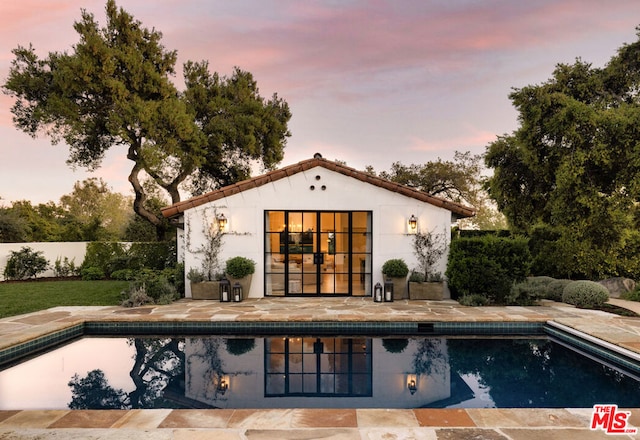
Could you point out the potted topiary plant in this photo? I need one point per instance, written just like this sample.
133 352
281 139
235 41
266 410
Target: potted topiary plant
240 269
396 270
427 284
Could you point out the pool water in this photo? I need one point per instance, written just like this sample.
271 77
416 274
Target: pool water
309 371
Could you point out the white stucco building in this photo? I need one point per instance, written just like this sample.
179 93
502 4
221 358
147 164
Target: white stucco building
314 228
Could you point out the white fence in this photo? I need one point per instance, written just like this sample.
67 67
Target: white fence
74 251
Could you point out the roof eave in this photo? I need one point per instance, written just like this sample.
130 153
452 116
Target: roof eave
281 173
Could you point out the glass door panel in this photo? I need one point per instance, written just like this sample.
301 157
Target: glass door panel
332 367
317 253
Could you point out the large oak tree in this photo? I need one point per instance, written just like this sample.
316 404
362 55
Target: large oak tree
459 180
114 88
572 168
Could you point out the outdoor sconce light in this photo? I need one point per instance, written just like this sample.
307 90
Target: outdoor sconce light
237 292
413 224
377 293
412 383
225 291
388 291
222 222
223 384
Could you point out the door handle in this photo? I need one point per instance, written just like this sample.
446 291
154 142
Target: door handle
318 258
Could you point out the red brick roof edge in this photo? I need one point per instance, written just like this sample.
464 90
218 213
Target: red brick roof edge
272 176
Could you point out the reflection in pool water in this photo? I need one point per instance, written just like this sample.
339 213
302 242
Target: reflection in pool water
306 371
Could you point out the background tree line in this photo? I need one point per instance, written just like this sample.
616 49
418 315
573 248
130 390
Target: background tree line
91 212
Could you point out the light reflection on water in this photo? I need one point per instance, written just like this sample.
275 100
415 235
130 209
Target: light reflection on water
303 371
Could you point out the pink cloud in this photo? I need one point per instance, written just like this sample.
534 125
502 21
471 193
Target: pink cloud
369 82
470 138
312 45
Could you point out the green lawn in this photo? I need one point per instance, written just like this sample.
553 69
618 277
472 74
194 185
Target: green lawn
25 297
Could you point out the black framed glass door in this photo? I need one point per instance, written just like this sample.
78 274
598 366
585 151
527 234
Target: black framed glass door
317 253
321 367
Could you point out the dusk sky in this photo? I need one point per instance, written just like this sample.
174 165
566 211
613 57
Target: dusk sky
368 82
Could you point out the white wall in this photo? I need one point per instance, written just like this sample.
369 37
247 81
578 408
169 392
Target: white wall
245 214
74 251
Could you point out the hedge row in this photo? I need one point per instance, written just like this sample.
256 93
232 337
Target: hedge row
487 266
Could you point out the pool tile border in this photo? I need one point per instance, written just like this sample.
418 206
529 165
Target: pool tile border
16 353
25 349
593 348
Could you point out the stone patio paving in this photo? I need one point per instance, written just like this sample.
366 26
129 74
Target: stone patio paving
333 424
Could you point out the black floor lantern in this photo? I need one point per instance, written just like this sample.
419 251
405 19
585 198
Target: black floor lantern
377 293
225 291
237 292
388 291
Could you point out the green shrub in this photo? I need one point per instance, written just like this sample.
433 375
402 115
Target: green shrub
92 274
123 275
113 257
153 255
25 263
240 267
122 262
195 275
65 268
395 268
529 291
101 254
416 277
487 265
474 300
634 295
555 289
135 296
175 275
585 294
157 285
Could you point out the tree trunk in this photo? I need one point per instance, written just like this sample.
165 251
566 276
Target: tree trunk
141 197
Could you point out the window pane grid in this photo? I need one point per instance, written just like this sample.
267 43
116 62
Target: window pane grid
344 367
318 253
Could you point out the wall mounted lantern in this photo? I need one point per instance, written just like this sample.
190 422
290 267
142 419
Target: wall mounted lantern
222 222
225 290
412 383
237 292
377 293
388 291
412 224
223 384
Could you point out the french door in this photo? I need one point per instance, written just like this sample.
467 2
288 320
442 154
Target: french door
317 253
318 367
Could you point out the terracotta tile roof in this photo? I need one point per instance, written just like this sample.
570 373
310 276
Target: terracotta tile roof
281 173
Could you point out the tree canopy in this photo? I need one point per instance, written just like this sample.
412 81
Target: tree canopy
90 212
114 88
459 180
571 169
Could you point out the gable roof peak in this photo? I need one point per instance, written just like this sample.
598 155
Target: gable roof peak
317 160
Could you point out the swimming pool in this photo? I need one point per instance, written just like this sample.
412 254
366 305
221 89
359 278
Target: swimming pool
321 370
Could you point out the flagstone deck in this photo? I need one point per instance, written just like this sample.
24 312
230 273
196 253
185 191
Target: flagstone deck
332 424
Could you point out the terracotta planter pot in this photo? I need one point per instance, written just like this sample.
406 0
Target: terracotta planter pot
205 290
426 291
